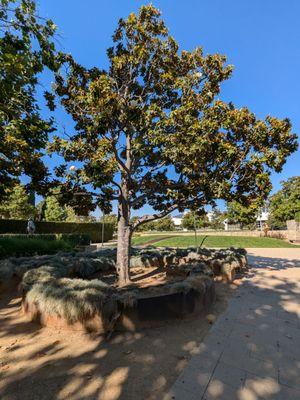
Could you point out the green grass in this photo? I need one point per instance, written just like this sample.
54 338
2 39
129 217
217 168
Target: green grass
27 247
212 241
140 240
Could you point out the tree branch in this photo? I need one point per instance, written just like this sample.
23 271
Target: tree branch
153 217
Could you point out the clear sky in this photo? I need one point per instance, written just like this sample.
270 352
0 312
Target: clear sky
261 38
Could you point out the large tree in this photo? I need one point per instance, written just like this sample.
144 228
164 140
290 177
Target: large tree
285 203
151 130
53 210
17 204
242 214
26 48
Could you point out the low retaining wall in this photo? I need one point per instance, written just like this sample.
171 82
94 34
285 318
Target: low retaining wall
148 311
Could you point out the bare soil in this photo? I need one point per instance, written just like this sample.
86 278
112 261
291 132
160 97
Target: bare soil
46 364
140 277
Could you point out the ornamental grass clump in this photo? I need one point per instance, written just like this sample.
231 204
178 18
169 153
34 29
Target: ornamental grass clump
71 299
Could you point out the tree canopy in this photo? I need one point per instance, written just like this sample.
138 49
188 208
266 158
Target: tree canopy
153 120
241 214
191 220
26 48
151 129
17 204
285 204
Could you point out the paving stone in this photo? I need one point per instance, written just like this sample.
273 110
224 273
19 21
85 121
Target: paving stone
289 373
286 393
289 316
217 390
178 393
261 387
212 346
253 350
263 368
194 380
228 375
223 327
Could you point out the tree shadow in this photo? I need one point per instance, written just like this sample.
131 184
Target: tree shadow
45 363
259 333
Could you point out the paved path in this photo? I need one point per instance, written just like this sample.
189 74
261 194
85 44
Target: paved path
253 350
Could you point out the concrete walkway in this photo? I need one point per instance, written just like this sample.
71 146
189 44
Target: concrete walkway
253 350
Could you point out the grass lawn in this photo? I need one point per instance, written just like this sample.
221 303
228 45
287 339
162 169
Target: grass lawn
211 241
139 240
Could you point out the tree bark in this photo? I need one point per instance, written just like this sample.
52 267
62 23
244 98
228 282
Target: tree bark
123 251
124 234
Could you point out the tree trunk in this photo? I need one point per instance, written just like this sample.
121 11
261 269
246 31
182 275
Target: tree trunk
124 227
123 251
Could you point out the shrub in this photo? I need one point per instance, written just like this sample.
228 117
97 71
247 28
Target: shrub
92 229
75 238
23 247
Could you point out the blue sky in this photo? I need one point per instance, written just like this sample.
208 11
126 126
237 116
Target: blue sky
260 38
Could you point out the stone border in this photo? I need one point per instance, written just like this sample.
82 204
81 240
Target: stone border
54 296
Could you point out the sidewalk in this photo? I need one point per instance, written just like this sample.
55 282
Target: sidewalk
252 351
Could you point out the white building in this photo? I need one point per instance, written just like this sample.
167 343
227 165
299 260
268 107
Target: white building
261 220
210 215
177 220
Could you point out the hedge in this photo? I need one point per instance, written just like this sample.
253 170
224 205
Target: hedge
73 238
92 229
17 247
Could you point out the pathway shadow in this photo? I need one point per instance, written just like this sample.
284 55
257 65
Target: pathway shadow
261 335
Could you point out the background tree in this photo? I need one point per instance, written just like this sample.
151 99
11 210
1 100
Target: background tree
147 226
53 210
26 48
238 213
110 218
149 130
17 204
164 224
217 219
285 204
191 220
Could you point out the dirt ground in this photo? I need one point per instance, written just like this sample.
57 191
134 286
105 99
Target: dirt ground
43 363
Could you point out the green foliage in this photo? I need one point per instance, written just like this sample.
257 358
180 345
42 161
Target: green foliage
217 220
164 224
73 238
110 219
16 204
285 204
92 229
27 247
191 220
244 215
297 216
154 111
26 49
53 210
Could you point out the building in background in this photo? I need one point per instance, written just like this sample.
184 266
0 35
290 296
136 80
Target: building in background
262 219
177 220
